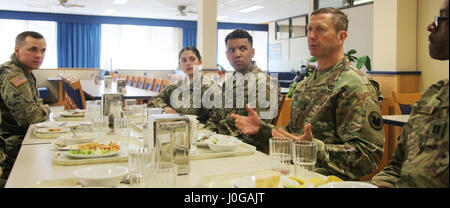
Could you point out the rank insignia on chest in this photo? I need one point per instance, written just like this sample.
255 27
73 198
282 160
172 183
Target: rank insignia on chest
17 81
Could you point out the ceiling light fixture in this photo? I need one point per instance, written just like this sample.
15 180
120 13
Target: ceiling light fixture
110 11
251 9
120 1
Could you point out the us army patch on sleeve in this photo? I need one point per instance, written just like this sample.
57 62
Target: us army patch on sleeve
17 81
376 121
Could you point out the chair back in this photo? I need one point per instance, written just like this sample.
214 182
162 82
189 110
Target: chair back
74 95
140 83
280 106
404 101
148 84
156 84
129 80
164 84
134 81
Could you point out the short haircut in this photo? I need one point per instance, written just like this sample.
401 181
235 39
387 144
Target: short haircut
239 33
340 20
22 36
190 48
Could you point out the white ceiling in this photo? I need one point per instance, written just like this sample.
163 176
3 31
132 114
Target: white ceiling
167 9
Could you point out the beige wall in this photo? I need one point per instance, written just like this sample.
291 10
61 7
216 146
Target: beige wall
395 26
432 70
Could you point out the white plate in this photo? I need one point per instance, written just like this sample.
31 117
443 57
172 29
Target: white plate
224 143
57 124
348 184
91 155
73 113
57 130
249 182
83 138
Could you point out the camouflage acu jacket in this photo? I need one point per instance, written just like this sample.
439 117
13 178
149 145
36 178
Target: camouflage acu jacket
19 99
191 108
342 105
221 116
421 156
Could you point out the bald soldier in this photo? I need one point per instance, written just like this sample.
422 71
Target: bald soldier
20 105
421 157
337 107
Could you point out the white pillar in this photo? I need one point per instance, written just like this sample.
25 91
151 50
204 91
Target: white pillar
207 33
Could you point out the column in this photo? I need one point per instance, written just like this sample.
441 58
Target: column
207 34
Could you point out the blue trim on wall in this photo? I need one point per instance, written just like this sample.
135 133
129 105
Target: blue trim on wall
394 72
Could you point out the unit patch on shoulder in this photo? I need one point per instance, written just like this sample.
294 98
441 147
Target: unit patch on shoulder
376 121
17 81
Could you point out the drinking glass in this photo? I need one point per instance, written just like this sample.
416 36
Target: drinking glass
122 128
160 175
304 157
193 132
280 152
138 158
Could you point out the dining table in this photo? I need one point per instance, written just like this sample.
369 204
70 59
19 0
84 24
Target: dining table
395 120
96 90
34 164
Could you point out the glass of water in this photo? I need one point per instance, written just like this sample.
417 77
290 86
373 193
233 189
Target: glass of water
280 152
304 157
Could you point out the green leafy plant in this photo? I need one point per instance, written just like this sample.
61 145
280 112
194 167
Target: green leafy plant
291 90
360 61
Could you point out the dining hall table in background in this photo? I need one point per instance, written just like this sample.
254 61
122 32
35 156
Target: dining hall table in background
95 91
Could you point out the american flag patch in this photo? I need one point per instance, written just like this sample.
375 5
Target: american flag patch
19 81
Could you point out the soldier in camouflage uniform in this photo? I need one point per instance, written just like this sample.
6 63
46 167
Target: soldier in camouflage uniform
337 106
240 52
20 105
421 156
189 56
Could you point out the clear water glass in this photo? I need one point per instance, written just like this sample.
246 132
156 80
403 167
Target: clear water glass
280 152
304 157
138 158
160 175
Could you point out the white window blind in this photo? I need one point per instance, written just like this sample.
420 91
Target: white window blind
132 47
260 41
10 30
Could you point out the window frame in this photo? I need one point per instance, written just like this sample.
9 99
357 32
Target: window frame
306 26
289 28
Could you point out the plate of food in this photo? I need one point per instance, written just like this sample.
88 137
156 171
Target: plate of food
57 124
93 150
73 113
223 143
53 130
202 137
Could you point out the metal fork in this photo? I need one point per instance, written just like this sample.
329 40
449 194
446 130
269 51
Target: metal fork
74 134
62 124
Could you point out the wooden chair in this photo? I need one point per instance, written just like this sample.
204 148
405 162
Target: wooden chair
74 95
129 80
164 84
134 81
156 85
280 106
140 83
148 84
403 102
122 76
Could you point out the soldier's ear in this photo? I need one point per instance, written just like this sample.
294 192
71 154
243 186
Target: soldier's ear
16 50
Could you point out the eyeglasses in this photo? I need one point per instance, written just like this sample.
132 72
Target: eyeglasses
436 21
